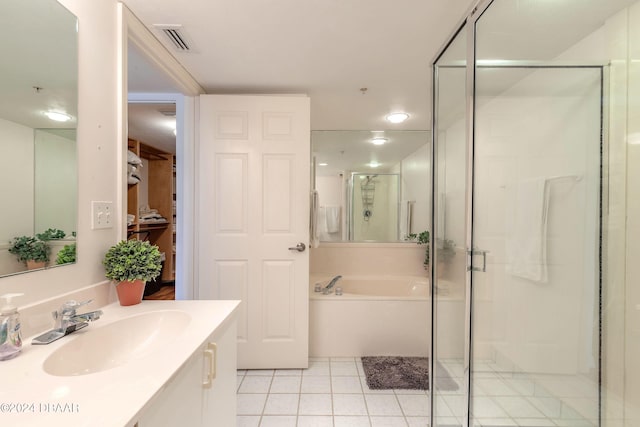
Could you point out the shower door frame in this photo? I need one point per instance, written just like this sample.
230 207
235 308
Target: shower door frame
468 25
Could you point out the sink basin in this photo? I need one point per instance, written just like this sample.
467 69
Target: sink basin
97 349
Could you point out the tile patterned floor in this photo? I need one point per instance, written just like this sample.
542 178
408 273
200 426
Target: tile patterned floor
334 393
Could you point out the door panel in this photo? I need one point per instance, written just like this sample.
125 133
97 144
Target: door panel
449 237
253 206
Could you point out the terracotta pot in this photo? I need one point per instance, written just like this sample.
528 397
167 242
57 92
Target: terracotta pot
130 293
33 265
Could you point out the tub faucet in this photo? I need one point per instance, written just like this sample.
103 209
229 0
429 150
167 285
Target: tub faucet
327 289
67 321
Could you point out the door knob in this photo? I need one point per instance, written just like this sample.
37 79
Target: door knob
300 247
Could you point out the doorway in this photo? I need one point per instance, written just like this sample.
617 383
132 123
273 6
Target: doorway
154 78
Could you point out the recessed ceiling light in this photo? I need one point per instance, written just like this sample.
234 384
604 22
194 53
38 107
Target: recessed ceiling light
379 141
397 117
374 164
175 132
323 164
57 116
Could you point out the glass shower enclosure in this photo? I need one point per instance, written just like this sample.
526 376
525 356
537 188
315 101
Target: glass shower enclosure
524 224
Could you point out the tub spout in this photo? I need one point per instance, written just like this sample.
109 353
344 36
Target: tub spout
327 289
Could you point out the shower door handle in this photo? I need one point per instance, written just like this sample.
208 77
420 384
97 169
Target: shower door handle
300 247
481 252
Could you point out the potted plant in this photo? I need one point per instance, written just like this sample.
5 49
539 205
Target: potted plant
51 234
131 263
33 252
421 239
67 254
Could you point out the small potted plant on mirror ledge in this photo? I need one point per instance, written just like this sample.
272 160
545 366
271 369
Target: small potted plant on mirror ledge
131 263
421 239
33 252
66 255
51 234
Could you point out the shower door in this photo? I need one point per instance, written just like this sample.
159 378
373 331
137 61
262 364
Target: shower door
449 290
535 249
536 221
518 143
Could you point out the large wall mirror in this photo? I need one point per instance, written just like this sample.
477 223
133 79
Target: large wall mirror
372 186
38 121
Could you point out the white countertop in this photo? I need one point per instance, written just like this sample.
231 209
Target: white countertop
115 397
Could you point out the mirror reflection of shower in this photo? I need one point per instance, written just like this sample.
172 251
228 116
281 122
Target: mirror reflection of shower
374 201
368 193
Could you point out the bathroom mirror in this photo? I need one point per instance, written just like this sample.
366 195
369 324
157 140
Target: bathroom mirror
372 186
38 160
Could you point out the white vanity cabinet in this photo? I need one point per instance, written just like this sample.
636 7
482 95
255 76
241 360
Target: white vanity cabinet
203 391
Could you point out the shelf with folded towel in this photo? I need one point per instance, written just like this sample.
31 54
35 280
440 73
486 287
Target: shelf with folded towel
153 226
152 222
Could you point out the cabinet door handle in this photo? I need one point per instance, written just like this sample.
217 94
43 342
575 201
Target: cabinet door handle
208 354
212 354
213 368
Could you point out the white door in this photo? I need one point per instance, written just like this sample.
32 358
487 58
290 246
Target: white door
254 161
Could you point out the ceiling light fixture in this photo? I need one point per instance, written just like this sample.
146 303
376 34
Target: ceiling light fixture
379 141
57 116
374 164
397 117
323 164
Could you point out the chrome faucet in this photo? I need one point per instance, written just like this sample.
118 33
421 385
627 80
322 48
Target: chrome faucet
327 289
67 321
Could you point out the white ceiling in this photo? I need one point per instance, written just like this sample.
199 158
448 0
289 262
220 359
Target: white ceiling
331 49
327 49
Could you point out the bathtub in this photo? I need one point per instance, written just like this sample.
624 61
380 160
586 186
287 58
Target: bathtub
381 316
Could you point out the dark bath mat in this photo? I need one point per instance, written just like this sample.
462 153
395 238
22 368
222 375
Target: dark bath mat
404 373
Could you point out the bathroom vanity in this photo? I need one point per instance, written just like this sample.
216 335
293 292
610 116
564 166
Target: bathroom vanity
159 363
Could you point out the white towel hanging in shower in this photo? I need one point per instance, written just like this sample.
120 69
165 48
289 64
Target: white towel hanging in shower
527 242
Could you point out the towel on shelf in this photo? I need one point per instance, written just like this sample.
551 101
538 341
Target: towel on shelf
133 159
332 218
148 216
132 174
527 242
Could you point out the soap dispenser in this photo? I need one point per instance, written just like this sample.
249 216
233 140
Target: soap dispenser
10 338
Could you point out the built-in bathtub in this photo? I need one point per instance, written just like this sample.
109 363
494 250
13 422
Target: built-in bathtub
378 316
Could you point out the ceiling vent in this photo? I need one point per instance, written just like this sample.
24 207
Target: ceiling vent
176 36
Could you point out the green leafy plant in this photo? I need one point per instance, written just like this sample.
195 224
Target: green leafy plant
67 254
421 239
446 249
131 260
29 248
51 234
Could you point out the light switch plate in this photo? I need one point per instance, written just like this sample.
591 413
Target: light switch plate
101 215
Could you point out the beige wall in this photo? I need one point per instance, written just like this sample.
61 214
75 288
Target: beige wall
367 259
98 168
